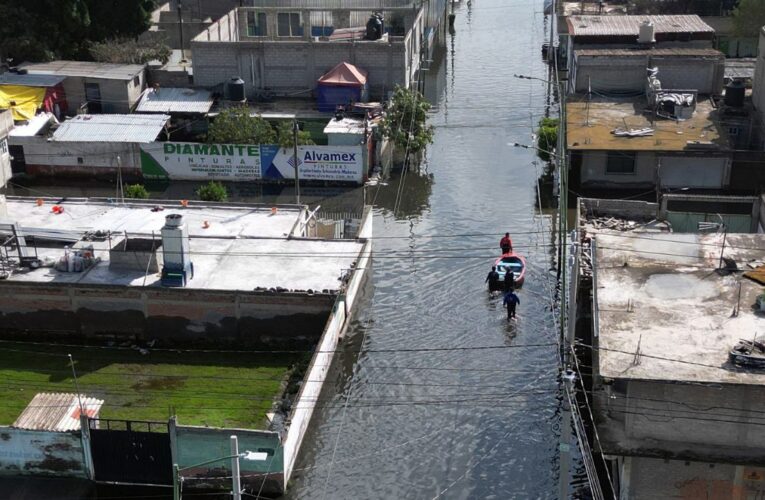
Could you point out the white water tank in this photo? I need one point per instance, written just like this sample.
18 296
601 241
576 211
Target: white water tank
175 243
647 32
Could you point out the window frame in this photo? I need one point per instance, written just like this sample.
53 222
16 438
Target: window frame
621 155
256 28
289 24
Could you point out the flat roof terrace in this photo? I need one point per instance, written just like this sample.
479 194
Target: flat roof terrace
664 313
244 248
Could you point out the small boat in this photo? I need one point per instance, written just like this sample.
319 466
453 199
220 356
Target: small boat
511 262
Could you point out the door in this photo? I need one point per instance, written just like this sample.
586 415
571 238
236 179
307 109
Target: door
18 161
93 96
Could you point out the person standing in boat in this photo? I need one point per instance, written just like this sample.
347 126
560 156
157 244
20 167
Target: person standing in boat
492 278
510 301
506 244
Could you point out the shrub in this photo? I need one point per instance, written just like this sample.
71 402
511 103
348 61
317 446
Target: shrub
547 137
212 191
136 191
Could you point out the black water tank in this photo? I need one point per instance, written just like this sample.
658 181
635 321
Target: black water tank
734 94
375 27
234 89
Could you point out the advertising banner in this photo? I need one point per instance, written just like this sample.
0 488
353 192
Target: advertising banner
316 163
195 161
241 162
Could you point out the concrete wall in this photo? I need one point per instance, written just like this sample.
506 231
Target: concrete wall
629 73
758 87
673 169
88 159
173 315
117 96
41 453
650 478
322 358
193 445
291 67
718 423
6 124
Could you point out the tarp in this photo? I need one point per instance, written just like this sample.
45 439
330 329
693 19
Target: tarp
344 75
22 101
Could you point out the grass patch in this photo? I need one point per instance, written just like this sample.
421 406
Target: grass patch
215 389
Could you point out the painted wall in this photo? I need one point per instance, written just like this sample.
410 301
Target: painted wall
41 453
195 445
6 124
594 170
117 96
758 87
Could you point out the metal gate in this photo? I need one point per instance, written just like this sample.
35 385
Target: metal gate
131 451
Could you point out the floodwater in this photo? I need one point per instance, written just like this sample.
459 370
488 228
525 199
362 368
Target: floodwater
447 399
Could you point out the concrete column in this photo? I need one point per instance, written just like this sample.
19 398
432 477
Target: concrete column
86 453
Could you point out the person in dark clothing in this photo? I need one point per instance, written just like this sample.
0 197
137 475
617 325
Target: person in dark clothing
492 278
509 280
510 301
506 244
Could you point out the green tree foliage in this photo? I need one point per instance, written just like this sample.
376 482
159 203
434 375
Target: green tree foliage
285 135
547 137
405 121
136 191
212 191
699 7
236 126
749 17
40 30
129 51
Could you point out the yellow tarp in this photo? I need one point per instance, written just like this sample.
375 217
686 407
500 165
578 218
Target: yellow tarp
22 101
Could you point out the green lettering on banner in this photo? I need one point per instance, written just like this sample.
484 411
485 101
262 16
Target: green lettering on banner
169 147
200 149
214 150
253 151
240 149
227 149
187 149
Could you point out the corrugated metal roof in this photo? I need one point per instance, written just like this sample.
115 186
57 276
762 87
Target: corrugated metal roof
85 69
30 80
662 52
630 25
175 100
111 128
56 411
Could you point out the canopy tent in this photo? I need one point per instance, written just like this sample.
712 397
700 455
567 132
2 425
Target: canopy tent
344 84
22 101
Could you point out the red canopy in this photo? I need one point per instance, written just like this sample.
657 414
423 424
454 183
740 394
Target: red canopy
345 75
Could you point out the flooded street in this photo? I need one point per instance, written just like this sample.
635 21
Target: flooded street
422 413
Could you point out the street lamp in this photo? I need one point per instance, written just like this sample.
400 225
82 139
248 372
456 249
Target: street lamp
235 476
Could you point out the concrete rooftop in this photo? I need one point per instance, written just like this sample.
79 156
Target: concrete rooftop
244 247
661 291
591 129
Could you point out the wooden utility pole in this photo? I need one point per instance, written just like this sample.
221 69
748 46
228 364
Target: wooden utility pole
295 130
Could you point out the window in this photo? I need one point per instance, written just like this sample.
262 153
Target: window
137 81
256 24
734 130
620 163
80 160
289 24
3 146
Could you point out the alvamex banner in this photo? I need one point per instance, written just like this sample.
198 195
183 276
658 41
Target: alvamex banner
238 162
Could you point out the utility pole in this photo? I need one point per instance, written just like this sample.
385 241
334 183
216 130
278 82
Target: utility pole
235 479
295 130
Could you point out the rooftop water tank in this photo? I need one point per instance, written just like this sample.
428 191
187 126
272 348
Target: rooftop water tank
375 27
735 92
233 90
647 32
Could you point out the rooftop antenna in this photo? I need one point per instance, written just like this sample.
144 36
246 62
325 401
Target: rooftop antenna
76 385
725 236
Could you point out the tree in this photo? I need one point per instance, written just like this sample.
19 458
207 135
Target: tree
404 122
236 126
285 135
547 137
130 51
749 18
136 191
212 191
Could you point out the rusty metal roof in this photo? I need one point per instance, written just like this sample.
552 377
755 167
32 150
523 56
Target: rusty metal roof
56 411
630 25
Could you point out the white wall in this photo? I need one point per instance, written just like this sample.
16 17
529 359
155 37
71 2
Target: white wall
758 88
694 172
594 170
6 124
